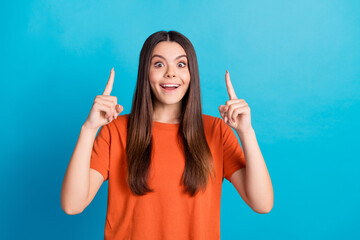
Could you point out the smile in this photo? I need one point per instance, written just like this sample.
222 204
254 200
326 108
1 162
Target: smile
169 87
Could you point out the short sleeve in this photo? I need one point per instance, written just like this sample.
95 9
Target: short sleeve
100 155
233 155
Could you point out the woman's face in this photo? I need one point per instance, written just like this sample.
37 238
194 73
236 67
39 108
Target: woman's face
169 73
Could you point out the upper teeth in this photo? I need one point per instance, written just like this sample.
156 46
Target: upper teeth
170 85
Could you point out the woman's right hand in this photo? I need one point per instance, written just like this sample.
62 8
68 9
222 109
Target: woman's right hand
105 107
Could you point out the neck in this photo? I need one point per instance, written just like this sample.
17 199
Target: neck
167 113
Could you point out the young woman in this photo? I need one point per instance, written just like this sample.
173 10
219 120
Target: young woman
166 161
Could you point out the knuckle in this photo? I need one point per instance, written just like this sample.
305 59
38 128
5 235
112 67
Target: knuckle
97 100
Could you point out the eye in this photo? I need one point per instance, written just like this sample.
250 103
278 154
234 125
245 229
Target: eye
183 63
157 64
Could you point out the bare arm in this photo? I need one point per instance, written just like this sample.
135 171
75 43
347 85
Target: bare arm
252 182
81 183
256 179
75 187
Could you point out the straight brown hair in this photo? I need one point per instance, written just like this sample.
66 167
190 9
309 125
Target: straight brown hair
198 159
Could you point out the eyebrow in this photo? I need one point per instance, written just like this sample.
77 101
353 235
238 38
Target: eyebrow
156 55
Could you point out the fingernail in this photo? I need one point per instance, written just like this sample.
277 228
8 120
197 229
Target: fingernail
226 71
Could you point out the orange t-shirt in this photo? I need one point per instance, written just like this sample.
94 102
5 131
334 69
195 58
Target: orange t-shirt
167 213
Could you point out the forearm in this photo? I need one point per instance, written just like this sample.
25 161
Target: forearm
75 187
258 184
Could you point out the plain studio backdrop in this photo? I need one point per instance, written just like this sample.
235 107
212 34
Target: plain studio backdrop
296 63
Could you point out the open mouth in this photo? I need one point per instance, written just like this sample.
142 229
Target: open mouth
170 87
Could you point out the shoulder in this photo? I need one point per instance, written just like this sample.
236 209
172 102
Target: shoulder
119 124
215 124
211 122
211 119
122 119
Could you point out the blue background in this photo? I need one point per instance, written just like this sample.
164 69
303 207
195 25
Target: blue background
296 63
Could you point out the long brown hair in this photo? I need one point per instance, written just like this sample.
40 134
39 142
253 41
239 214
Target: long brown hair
198 158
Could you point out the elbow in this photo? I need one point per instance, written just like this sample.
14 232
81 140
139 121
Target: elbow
264 206
70 210
264 210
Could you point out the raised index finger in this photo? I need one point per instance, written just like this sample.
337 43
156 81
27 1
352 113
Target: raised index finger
229 86
110 83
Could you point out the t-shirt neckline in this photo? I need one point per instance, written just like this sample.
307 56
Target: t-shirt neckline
161 125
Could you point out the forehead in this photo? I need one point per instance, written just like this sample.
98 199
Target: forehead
168 49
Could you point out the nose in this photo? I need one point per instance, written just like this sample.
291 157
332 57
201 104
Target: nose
170 73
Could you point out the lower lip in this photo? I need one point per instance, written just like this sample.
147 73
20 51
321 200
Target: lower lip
169 90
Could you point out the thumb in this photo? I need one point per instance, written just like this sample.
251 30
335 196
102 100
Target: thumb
222 111
119 108
223 108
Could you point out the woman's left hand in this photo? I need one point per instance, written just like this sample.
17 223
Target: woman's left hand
235 112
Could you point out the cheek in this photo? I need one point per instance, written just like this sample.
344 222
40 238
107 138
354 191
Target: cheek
185 76
154 76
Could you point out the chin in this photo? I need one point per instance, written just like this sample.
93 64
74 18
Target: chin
170 102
